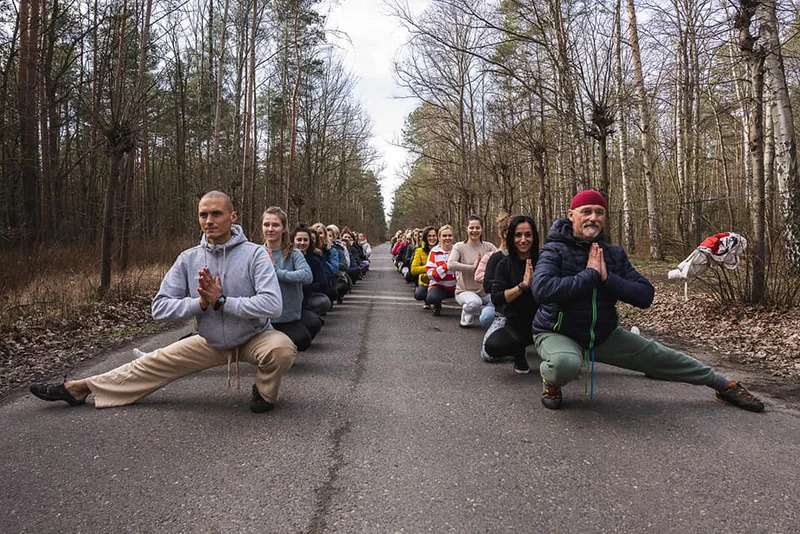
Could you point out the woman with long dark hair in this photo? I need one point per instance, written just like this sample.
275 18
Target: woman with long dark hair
430 239
512 296
315 298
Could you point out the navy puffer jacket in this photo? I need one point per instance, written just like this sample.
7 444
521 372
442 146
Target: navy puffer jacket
572 299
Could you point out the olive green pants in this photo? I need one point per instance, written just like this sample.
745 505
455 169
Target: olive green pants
562 358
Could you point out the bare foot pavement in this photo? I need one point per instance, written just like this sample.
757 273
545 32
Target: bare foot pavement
392 423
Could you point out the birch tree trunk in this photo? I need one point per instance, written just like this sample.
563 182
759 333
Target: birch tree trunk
754 56
785 144
622 138
644 126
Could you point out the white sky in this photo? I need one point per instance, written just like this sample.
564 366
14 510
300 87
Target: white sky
376 41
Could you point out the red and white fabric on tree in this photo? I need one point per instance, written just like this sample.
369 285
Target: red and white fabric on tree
723 249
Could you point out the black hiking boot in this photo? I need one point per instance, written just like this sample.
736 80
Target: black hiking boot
257 402
55 392
737 395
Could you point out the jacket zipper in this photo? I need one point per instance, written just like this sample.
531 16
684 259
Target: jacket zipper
594 317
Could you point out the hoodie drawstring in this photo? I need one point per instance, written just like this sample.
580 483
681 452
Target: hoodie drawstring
233 355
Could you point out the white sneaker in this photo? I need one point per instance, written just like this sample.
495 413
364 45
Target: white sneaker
138 354
426 306
466 320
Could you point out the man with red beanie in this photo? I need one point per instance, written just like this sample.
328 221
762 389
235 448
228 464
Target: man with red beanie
577 282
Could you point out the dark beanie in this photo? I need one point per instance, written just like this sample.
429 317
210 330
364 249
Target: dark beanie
589 197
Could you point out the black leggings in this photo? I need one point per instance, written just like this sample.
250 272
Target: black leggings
342 287
297 332
311 321
437 294
508 341
319 303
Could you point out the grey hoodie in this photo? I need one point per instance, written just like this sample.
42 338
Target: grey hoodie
248 283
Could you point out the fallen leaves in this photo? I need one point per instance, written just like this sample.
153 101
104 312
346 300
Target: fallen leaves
36 347
765 337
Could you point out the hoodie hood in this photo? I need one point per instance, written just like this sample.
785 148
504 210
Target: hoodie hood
237 238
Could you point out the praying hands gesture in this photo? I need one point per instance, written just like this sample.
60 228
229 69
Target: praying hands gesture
209 288
476 262
526 280
597 262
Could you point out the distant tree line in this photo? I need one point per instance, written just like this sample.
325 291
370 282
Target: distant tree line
116 115
673 109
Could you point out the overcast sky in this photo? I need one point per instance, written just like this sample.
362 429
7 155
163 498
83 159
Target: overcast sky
376 41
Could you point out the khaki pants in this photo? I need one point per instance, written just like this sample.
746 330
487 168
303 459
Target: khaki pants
272 353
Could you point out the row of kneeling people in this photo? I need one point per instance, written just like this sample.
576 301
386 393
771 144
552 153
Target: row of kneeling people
255 303
560 299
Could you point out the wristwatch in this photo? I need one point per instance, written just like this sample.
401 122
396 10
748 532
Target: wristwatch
220 302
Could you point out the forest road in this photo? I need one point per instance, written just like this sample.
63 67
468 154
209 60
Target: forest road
392 423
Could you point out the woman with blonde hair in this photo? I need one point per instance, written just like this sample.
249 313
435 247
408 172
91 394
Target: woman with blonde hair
442 283
293 272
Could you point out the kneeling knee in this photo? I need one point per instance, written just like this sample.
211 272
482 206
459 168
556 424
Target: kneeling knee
563 369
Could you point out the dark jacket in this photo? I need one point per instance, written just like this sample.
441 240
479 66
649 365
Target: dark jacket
519 313
572 299
489 273
321 282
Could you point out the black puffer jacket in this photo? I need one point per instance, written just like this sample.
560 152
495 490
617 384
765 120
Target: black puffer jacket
519 313
572 299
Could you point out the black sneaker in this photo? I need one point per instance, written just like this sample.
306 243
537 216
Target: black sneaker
437 310
551 396
737 395
257 402
521 367
55 392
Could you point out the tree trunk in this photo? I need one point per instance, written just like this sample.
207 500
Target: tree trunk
28 116
627 218
293 117
644 125
785 144
218 96
754 57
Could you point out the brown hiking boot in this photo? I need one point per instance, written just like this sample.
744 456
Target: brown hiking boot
737 395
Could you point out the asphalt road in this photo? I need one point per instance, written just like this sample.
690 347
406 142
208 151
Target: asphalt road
392 423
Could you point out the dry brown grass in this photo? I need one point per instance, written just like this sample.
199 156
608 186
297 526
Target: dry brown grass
58 282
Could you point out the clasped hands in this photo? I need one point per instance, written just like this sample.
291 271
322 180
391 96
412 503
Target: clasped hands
597 262
209 288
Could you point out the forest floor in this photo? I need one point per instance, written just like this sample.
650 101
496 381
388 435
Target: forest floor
761 345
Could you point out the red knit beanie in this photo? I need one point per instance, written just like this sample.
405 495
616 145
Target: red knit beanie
589 197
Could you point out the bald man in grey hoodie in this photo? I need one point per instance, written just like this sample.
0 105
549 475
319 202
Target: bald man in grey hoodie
228 286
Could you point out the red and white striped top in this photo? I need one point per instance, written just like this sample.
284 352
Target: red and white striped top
437 269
